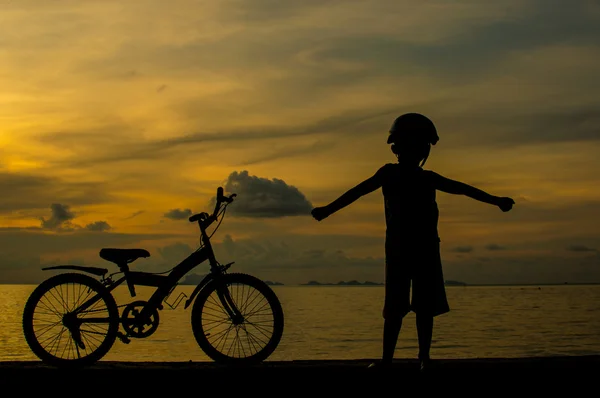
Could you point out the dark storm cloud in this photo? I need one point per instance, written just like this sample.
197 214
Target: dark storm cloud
262 197
178 214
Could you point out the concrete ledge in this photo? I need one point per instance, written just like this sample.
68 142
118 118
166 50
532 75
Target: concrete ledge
534 374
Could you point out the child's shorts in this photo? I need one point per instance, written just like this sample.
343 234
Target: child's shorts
420 264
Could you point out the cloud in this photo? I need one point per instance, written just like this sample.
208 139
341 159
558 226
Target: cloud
228 244
556 123
175 252
284 259
22 247
32 191
62 220
178 214
61 217
526 267
265 198
135 214
494 246
581 248
117 142
98 226
462 249
288 152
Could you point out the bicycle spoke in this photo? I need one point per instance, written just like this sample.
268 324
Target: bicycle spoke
254 310
208 329
224 338
54 340
47 328
257 338
230 347
217 305
84 299
85 334
96 327
249 302
56 310
250 342
52 310
88 346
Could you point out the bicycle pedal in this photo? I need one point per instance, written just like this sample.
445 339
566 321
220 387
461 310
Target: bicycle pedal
124 338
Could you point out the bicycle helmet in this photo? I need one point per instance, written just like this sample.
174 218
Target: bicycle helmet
413 130
413 127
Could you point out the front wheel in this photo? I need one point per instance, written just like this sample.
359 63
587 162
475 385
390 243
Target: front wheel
247 338
70 319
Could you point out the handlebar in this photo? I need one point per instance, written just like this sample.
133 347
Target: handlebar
208 219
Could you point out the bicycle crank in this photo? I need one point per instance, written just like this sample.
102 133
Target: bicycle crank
133 323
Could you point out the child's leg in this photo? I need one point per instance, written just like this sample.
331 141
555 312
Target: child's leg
424 334
391 330
397 301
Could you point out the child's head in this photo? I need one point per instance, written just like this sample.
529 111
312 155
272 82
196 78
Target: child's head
411 136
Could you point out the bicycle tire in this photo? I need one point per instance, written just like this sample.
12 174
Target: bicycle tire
202 323
35 302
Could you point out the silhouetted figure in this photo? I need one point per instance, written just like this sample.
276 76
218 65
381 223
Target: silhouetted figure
412 244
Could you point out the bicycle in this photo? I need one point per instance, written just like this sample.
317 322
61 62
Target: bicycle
83 313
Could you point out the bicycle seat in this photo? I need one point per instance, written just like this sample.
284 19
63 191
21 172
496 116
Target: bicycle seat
120 256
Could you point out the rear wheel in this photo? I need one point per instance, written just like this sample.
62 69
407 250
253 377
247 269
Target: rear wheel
248 339
59 332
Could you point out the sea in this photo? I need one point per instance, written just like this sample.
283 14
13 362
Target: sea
345 322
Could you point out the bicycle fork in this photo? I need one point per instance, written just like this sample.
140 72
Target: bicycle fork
229 305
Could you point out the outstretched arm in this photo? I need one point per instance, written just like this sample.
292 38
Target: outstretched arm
365 187
460 188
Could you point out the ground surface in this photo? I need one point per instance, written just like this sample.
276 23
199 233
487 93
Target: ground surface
482 377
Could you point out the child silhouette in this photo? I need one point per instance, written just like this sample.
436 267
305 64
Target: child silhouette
412 243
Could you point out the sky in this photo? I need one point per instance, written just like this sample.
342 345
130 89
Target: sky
118 120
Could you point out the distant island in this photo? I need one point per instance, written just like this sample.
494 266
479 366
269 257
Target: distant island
343 283
455 283
194 279
368 283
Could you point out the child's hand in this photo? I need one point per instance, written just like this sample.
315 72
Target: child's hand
319 213
505 204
